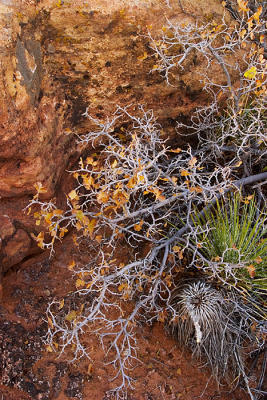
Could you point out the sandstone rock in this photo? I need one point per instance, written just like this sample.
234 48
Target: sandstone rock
6 227
16 249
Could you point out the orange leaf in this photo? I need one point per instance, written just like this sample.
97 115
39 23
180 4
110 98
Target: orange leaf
158 193
185 173
242 5
49 349
196 189
88 181
120 197
138 227
178 150
62 232
98 238
258 260
251 270
132 182
50 323
192 162
257 14
102 197
122 286
90 369
71 265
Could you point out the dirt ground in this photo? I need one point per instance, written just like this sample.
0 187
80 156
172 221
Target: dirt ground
29 371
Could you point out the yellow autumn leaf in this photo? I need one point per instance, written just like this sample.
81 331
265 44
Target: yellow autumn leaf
102 197
78 226
250 73
176 249
140 178
256 15
162 316
61 304
238 164
132 182
79 215
79 283
62 232
242 5
71 316
50 323
88 181
250 24
39 188
40 239
120 197
89 160
114 164
122 286
143 57
48 217
55 345
73 195
81 163
49 349
192 162
90 226
81 309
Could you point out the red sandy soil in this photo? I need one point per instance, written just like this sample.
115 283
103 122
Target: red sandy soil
28 371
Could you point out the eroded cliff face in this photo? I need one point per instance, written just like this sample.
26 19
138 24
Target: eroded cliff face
57 59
